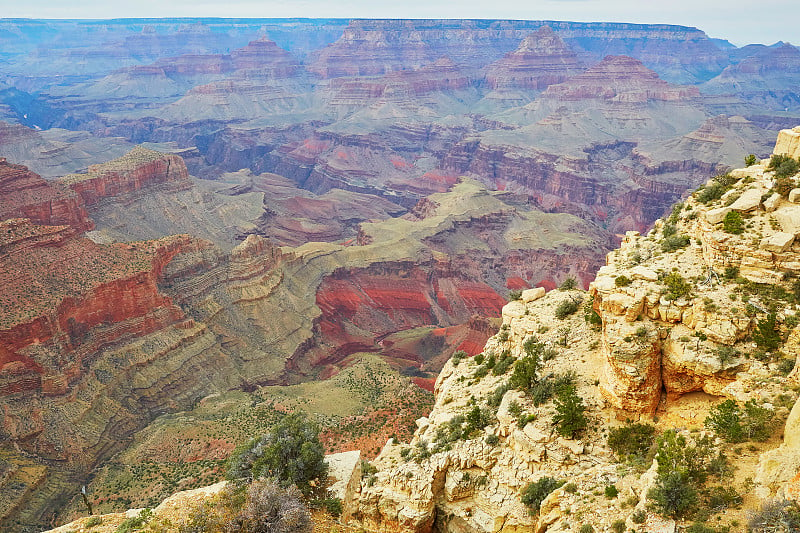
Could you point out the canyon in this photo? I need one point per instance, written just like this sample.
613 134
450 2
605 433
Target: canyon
201 215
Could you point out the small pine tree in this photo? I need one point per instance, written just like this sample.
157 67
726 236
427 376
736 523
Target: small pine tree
570 417
750 160
733 223
765 334
673 495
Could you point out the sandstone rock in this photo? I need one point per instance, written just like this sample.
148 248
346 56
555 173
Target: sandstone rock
788 143
788 216
642 272
715 216
794 196
777 242
772 203
531 295
778 468
344 469
749 200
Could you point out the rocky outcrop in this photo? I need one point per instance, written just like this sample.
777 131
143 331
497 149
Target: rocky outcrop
138 169
788 143
24 194
669 317
542 59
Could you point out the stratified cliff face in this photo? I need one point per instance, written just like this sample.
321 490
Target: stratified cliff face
675 311
138 169
402 86
542 59
621 78
25 194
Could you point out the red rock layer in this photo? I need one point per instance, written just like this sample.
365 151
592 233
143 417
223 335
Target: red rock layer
542 59
73 296
24 194
134 171
620 78
360 306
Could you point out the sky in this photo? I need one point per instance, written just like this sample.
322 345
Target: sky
740 22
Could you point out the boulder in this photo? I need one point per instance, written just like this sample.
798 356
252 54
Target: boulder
640 272
531 295
777 242
715 216
749 200
772 203
794 196
788 217
788 142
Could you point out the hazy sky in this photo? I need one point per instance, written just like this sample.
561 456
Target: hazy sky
740 22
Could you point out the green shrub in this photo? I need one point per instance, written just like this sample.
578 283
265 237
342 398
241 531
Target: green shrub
290 453
479 359
458 356
733 424
711 192
611 492
526 373
677 287
622 281
135 523
731 272
503 364
673 495
570 418
586 528
720 498
496 396
492 439
783 166
572 488
566 308
534 493
639 516
515 295
618 526
766 336
568 284
93 521
750 160
669 230
631 441
733 223
675 242
590 315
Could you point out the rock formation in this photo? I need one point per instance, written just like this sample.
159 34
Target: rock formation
138 169
25 194
542 59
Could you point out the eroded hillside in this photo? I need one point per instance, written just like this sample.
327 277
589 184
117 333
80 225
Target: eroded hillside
704 302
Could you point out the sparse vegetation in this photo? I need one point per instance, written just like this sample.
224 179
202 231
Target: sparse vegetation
568 284
750 160
566 308
776 516
733 223
631 442
676 286
735 424
534 493
290 453
674 242
570 418
622 281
